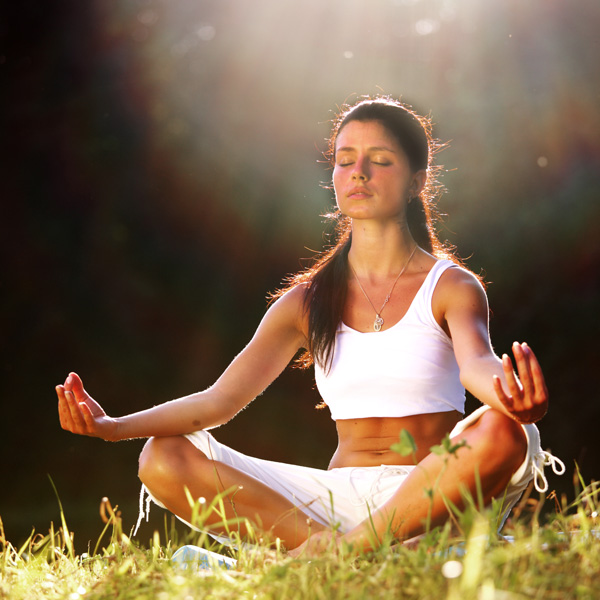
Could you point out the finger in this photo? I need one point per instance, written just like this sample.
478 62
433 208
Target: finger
64 413
522 362
68 382
75 413
76 383
88 418
500 392
514 387
63 410
537 375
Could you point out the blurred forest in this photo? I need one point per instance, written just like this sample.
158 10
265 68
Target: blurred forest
162 172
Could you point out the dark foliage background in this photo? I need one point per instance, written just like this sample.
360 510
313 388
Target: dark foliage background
160 174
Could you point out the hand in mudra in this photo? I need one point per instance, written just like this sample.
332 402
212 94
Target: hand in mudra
80 413
527 397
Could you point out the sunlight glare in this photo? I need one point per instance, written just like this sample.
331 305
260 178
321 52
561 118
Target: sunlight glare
452 569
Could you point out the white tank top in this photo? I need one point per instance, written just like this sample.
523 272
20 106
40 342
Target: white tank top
408 369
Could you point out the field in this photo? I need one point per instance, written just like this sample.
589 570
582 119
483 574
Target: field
554 557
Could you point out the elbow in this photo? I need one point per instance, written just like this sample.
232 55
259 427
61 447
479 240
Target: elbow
464 377
231 411
226 412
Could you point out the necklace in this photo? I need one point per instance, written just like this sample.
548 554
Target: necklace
378 323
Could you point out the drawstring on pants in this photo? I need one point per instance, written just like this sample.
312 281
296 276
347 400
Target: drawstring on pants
545 459
143 513
359 500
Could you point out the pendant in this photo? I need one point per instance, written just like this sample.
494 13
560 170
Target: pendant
378 323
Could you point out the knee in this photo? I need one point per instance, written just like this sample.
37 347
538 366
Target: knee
162 461
503 440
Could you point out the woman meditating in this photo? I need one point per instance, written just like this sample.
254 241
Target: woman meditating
396 329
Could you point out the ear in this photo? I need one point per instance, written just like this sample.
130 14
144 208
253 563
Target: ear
418 183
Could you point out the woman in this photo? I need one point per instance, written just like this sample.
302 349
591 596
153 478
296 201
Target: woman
396 330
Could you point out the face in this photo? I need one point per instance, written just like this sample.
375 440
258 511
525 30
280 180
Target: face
372 178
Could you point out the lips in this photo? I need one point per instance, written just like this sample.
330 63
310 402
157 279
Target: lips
359 192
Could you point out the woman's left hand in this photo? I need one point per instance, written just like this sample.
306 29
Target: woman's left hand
527 398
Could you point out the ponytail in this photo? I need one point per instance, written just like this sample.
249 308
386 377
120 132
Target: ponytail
326 287
419 221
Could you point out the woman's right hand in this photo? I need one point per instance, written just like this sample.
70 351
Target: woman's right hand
80 413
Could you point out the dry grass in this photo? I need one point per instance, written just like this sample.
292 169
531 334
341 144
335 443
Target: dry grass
555 560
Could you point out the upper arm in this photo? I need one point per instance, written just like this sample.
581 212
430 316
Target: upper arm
276 341
460 302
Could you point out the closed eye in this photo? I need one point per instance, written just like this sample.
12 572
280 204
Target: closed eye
347 162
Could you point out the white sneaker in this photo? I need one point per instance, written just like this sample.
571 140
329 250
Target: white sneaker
193 557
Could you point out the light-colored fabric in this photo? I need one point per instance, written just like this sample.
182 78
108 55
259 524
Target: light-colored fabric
344 497
408 369
531 468
341 497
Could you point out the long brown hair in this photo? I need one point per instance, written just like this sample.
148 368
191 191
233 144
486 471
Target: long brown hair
326 280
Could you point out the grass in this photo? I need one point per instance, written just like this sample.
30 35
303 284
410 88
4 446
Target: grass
556 559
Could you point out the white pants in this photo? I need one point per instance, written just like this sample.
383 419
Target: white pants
344 497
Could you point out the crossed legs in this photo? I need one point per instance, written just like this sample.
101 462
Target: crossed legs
496 447
169 465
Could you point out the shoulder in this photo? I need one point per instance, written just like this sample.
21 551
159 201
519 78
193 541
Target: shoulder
291 299
456 278
458 289
289 308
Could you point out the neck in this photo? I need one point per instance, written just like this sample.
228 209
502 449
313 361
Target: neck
380 252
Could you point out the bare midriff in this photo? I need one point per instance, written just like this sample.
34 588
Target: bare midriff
366 442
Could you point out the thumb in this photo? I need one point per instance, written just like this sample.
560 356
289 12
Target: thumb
75 384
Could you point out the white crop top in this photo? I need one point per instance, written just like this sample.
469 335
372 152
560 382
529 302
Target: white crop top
408 369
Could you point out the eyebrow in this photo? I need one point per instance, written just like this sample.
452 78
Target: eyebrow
371 149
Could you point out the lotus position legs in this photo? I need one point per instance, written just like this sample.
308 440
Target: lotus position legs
168 465
496 447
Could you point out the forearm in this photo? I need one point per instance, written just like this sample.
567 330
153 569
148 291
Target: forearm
276 341
177 417
477 376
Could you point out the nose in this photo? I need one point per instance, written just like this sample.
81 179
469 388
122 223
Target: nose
361 170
